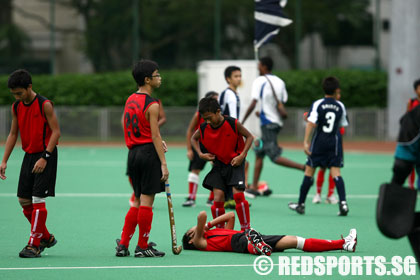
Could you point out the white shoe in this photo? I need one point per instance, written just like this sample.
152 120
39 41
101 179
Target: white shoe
316 199
350 241
331 199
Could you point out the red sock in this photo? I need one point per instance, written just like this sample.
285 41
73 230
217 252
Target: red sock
321 245
331 185
211 196
38 219
218 209
192 190
144 220
129 226
252 250
320 181
242 210
27 211
412 179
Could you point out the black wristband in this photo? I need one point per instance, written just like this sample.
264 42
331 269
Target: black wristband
46 155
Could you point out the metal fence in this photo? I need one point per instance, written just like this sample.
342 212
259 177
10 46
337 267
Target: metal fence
104 124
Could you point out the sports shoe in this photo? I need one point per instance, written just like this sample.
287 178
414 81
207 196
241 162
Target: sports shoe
251 193
317 199
350 241
331 199
189 203
30 252
209 202
47 243
256 240
150 252
299 208
343 207
121 250
230 204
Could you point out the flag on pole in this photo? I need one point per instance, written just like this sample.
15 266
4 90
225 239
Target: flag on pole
269 18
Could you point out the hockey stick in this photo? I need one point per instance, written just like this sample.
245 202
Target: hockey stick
176 250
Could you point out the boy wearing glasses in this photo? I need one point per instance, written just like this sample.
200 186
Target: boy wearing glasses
146 165
34 118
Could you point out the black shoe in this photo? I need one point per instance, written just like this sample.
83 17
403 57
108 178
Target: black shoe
343 207
121 250
267 192
251 193
30 252
189 203
150 252
47 243
298 207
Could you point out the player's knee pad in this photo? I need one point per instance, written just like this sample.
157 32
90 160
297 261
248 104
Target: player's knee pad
36 199
193 178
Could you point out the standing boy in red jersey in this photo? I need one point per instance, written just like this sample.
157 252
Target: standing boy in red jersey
222 138
413 103
34 118
202 237
196 163
146 159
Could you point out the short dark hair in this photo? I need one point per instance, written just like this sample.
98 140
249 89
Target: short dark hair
210 94
142 69
416 84
20 78
267 62
330 84
208 105
185 242
230 69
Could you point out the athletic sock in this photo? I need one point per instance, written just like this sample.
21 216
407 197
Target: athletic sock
331 185
211 196
304 188
27 211
321 245
412 179
218 209
144 220
320 181
193 181
242 210
130 225
339 183
38 219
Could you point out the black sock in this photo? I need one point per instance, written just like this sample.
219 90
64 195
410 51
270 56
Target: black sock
304 188
339 184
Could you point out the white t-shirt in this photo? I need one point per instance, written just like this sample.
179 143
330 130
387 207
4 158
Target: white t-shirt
229 103
262 92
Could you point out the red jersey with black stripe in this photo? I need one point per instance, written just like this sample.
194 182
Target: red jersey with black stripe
219 239
136 127
200 120
34 130
414 102
224 141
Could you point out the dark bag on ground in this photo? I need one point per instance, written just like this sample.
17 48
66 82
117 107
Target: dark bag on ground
395 211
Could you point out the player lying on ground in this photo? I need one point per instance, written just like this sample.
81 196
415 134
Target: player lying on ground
202 237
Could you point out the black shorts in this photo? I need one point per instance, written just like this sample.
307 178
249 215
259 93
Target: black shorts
270 146
197 163
225 176
39 184
144 169
239 242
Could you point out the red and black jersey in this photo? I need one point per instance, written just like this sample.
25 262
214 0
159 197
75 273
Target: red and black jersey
34 130
200 120
136 127
414 102
224 141
219 240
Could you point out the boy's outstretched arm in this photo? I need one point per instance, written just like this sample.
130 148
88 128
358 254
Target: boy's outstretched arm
10 144
236 161
228 218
